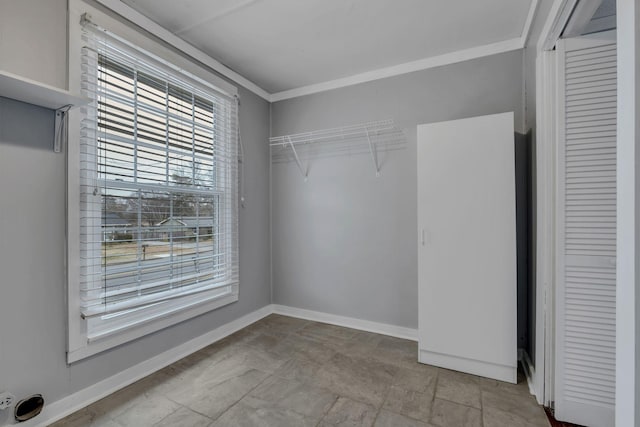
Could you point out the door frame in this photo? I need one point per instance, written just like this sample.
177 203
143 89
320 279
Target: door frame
628 240
542 378
546 137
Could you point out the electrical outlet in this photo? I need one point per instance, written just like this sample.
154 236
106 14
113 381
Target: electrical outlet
6 400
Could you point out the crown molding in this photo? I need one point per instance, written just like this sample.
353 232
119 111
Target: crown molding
407 67
528 24
165 35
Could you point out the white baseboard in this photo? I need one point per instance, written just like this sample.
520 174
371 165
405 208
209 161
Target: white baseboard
349 322
61 408
472 366
78 400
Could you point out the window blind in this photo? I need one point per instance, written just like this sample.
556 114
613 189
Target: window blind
159 178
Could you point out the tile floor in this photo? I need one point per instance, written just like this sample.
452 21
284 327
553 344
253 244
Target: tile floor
283 371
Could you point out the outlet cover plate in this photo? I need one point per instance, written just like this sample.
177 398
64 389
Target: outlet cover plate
6 400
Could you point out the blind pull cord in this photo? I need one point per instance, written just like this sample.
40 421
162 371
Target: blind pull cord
241 157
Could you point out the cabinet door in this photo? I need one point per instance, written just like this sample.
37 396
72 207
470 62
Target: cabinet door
467 246
586 231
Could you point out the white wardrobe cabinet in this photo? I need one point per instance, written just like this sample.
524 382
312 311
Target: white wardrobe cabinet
467 246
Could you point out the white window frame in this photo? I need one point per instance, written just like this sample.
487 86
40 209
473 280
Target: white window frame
157 317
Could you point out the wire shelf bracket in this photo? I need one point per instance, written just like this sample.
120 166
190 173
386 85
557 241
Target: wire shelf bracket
304 171
374 153
368 137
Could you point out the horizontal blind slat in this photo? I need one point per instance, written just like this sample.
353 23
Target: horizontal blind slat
159 172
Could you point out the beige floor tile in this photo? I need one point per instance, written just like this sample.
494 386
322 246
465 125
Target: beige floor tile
210 376
184 417
390 419
458 389
327 333
363 366
213 400
124 399
359 344
299 397
300 370
147 412
495 386
398 346
238 337
422 380
360 379
86 418
413 404
265 361
362 389
396 351
463 377
450 414
172 378
493 417
252 412
349 413
301 348
263 341
282 371
364 339
521 405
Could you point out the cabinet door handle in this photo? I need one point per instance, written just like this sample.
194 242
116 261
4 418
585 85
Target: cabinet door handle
423 237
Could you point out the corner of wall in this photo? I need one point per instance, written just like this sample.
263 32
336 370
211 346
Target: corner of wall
270 209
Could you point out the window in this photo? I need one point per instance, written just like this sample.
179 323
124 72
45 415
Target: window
158 190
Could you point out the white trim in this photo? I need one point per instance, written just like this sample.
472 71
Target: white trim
580 18
558 294
153 325
172 39
526 32
82 398
348 322
78 400
407 67
553 26
542 378
628 217
472 366
165 35
545 161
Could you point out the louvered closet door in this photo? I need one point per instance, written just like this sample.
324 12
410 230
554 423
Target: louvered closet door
586 270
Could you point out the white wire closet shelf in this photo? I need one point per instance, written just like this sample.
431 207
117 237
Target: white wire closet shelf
359 138
32 92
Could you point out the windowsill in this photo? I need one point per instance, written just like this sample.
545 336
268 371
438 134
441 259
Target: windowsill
153 324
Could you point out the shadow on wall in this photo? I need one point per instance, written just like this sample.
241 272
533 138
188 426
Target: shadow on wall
26 125
526 298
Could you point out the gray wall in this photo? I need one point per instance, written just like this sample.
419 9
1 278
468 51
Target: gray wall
345 241
33 40
32 229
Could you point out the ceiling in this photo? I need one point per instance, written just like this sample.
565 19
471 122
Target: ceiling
286 44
